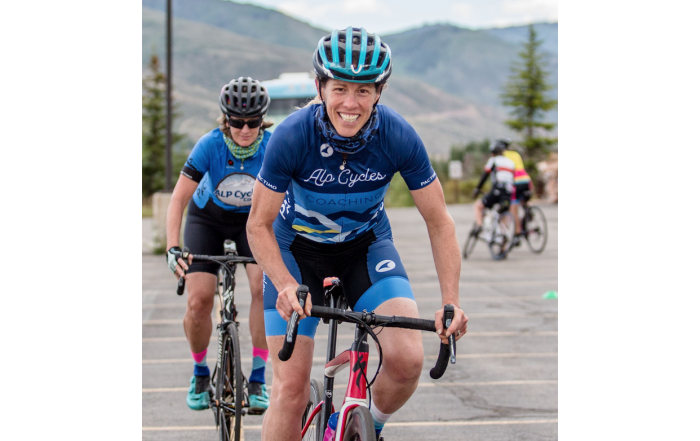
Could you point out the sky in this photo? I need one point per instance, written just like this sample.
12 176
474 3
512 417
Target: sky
389 16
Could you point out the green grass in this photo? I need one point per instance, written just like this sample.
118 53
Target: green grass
146 208
398 194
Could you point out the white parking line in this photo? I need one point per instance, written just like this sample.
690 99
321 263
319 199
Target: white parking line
467 299
396 424
178 321
440 384
471 315
323 359
351 337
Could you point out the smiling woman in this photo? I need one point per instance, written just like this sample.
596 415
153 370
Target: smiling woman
318 211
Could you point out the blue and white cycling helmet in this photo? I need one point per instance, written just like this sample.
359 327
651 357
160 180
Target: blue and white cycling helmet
353 55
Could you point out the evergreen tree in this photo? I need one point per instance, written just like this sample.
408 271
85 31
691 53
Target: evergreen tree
525 92
153 135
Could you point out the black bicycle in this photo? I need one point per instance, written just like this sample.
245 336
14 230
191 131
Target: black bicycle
533 228
355 420
498 230
228 388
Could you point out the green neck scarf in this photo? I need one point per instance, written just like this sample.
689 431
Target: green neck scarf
243 153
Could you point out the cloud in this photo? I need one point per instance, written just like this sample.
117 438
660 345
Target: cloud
461 11
530 9
364 6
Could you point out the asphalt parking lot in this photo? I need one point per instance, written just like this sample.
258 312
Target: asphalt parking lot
503 387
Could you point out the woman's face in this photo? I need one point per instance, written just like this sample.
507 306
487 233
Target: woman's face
349 105
244 136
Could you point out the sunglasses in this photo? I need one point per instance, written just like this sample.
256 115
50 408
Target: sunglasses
239 123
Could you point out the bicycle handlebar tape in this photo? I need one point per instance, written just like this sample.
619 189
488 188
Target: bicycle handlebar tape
292 326
180 286
445 349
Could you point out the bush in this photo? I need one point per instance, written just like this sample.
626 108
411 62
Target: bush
398 194
147 207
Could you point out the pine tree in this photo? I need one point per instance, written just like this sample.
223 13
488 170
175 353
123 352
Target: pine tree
525 92
153 135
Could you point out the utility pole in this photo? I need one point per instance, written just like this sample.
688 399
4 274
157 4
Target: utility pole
161 199
168 99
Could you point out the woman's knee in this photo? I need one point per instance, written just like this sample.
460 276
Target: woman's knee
199 304
292 393
406 368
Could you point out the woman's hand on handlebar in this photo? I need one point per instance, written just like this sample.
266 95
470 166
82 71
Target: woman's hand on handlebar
458 327
287 302
177 265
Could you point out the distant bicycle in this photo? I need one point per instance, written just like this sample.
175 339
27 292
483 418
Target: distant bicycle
533 228
497 231
229 401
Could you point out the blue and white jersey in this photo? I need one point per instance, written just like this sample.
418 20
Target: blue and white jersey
222 178
328 201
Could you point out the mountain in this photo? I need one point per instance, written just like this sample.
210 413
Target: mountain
467 63
446 79
256 22
205 58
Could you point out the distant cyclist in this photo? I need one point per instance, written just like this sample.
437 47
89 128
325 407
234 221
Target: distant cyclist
501 170
319 211
522 182
220 173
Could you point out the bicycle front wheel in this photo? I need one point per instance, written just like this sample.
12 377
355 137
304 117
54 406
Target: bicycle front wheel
313 433
502 236
229 399
535 229
360 425
470 243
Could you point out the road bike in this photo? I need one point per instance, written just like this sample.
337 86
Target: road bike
498 230
533 228
354 419
228 386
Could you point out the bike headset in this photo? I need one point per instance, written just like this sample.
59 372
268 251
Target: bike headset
244 97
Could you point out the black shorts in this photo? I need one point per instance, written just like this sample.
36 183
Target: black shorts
523 193
205 233
498 195
370 270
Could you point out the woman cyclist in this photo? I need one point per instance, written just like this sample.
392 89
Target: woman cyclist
501 170
318 212
220 173
522 182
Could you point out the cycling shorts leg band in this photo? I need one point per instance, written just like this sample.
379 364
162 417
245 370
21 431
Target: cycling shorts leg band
385 289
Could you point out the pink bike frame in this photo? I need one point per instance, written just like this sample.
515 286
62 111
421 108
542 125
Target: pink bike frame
356 392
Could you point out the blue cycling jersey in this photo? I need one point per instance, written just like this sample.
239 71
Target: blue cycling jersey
222 178
331 199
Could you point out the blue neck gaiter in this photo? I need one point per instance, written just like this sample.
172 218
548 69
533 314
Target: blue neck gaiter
341 143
